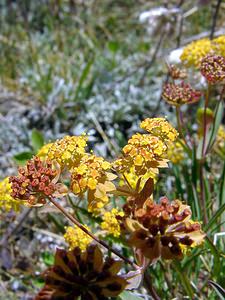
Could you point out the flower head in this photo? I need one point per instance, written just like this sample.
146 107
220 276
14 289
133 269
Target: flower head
194 52
176 152
164 230
84 275
176 73
161 128
43 152
68 151
76 237
219 145
93 176
219 45
110 222
213 68
35 182
178 94
7 202
145 152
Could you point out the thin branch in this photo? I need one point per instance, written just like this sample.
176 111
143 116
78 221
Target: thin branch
78 224
14 227
215 16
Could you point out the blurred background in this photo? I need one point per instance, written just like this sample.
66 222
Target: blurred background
94 66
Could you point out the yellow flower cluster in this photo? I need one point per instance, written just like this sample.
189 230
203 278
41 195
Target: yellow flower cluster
93 176
75 237
68 151
145 152
176 152
161 128
43 152
6 200
195 51
219 145
110 222
219 45
132 178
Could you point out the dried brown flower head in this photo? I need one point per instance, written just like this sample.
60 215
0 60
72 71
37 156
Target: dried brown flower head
213 68
177 73
82 274
164 230
35 182
178 94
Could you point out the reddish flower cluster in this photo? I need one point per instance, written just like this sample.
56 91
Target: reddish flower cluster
178 94
164 230
34 183
213 68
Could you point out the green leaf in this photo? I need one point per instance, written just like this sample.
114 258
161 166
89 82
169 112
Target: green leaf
48 258
22 157
38 282
37 139
216 255
222 187
129 296
219 290
214 129
215 217
83 76
184 279
113 46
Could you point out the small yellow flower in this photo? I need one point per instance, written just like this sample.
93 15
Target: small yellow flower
176 152
76 237
219 145
42 153
219 45
195 51
93 176
161 128
110 222
145 152
68 151
7 202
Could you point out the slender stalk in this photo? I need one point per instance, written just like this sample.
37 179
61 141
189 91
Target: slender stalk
149 286
215 16
179 124
78 224
205 122
202 193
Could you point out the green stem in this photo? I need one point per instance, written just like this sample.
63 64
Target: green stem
179 124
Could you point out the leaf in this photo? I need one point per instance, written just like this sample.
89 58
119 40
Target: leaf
37 139
216 255
129 296
134 279
215 217
83 76
22 157
48 258
113 46
219 290
214 129
184 279
222 187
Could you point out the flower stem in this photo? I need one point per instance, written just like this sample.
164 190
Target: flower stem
205 122
149 286
179 124
78 224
